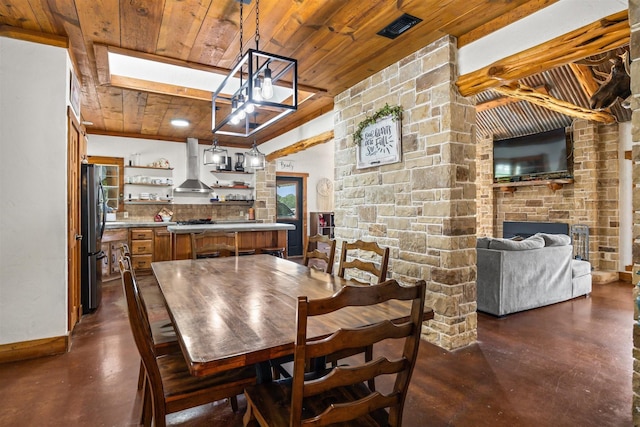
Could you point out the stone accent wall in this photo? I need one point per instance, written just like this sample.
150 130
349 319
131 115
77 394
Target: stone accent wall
591 200
486 195
423 208
634 21
266 193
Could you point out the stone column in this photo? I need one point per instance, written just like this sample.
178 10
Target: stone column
423 208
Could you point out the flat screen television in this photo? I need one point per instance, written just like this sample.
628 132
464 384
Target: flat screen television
531 156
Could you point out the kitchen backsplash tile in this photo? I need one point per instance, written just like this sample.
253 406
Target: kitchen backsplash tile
185 212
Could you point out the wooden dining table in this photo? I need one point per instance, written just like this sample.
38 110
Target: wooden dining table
237 311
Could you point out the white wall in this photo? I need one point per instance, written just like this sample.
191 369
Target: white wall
33 176
317 161
626 197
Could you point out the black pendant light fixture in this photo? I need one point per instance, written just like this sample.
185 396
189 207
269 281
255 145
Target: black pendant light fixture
261 89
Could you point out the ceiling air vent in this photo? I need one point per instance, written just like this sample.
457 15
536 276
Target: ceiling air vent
399 26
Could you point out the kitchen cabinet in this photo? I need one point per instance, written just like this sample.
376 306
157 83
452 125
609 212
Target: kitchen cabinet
141 249
112 179
112 241
161 244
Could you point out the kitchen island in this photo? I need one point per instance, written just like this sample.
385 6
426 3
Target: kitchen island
251 235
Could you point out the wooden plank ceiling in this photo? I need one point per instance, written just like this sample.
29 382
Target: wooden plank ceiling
334 41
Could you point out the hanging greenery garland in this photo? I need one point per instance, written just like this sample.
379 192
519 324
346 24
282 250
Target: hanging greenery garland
394 111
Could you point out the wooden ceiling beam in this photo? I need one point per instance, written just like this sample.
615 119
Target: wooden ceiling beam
585 78
506 100
606 34
529 94
301 145
34 36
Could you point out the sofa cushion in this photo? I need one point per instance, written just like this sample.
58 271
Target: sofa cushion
555 239
483 242
580 268
533 242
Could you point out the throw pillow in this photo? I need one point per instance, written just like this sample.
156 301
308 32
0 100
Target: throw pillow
483 242
533 242
555 239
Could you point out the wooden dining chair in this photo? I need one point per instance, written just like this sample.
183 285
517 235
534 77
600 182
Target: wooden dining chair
162 331
211 244
317 254
341 394
364 265
169 385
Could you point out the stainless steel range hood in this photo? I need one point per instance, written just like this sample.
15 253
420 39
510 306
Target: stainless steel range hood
192 184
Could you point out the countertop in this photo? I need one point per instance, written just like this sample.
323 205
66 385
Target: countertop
110 225
182 229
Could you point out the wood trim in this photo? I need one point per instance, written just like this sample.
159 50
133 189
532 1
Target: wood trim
92 131
506 100
33 349
606 34
34 36
124 82
305 209
529 94
301 145
102 50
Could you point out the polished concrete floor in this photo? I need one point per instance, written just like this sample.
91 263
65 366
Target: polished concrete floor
564 365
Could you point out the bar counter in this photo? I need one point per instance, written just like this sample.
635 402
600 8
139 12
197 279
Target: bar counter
257 236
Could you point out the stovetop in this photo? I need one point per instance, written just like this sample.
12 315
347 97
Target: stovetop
196 221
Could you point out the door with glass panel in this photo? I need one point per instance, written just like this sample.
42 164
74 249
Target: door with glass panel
291 209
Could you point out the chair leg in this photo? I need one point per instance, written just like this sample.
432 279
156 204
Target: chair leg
234 403
146 415
141 376
249 419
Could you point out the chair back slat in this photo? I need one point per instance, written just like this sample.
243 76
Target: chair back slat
356 338
328 258
214 243
345 375
339 413
362 248
353 403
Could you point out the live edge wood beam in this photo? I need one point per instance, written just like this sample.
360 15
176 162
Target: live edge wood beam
606 34
301 145
527 93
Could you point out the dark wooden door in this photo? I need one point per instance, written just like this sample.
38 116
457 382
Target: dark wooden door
291 209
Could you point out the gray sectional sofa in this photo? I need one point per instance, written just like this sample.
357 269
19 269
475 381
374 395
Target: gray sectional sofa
520 275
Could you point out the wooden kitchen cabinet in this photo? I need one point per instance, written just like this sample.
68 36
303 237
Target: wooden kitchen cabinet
112 241
161 244
141 247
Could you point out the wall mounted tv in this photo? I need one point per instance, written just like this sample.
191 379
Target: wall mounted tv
542 155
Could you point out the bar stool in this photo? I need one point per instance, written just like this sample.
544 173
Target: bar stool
275 251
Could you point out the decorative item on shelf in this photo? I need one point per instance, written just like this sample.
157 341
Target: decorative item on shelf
261 89
378 138
239 162
215 155
254 159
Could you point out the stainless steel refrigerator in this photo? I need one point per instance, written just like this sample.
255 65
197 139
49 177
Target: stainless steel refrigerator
92 219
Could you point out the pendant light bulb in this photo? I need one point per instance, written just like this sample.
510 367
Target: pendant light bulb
267 84
235 119
257 90
249 108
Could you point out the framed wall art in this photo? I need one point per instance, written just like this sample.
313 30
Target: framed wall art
75 94
380 143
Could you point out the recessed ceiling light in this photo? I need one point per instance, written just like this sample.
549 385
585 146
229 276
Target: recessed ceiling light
179 123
